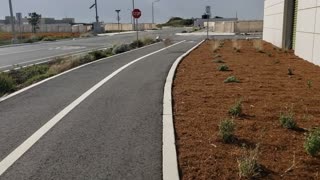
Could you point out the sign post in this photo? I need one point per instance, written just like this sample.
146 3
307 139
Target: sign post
136 14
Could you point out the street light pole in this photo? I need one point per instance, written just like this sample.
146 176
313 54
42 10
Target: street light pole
12 23
118 18
97 17
97 27
153 10
133 20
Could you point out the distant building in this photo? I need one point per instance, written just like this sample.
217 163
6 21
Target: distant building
199 22
44 20
294 24
57 21
7 19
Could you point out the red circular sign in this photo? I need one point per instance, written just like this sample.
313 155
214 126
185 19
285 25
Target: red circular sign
136 13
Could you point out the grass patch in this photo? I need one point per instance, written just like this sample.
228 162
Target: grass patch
309 83
215 45
147 41
290 72
231 79
312 143
287 120
223 68
248 164
7 84
236 46
258 46
22 75
218 61
236 109
226 130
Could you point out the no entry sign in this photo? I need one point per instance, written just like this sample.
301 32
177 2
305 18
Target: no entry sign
136 13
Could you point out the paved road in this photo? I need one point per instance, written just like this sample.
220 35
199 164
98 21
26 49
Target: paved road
114 133
30 54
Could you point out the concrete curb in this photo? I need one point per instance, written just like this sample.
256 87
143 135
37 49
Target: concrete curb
169 153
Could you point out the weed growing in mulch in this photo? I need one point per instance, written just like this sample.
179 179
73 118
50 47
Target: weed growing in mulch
226 130
312 143
223 68
236 109
231 79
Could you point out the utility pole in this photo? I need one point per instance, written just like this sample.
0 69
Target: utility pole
118 18
12 21
97 26
133 20
153 10
97 17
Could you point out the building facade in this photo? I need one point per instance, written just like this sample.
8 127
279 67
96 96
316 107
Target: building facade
294 24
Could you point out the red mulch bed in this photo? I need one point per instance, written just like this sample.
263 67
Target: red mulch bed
202 100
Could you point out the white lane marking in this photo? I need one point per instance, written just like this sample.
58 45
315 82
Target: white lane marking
53 77
67 48
169 153
2 54
27 144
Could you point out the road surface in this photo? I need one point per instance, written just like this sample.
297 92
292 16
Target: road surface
34 53
112 132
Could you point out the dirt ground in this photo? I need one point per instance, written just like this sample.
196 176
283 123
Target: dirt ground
202 100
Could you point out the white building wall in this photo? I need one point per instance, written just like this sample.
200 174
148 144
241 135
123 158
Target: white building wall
273 21
308 31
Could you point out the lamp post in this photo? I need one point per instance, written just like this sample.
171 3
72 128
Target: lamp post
153 10
118 18
12 21
97 17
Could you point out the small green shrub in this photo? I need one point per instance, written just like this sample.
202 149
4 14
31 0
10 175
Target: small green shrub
309 83
147 41
276 61
217 56
23 74
236 109
85 59
287 120
248 164
37 78
218 61
136 44
269 54
237 50
226 130
6 84
49 39
290 71
223 68
312 143
98 54
231 79
121 49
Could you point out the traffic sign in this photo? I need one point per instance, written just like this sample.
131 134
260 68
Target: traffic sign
136 13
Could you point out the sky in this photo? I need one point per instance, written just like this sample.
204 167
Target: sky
164 9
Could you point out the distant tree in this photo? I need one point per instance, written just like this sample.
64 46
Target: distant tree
34 20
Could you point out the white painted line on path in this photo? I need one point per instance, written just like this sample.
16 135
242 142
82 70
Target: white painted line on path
169 153
27 144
